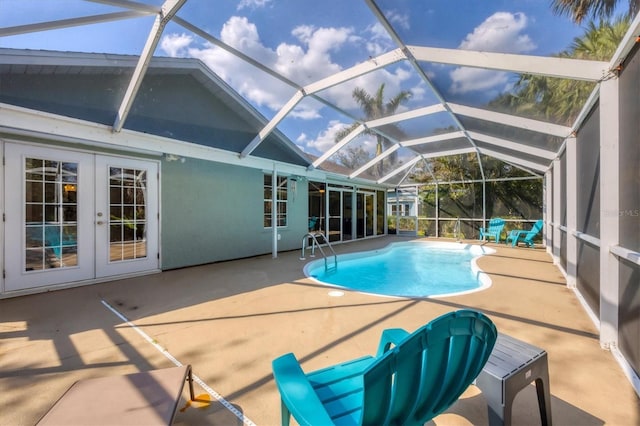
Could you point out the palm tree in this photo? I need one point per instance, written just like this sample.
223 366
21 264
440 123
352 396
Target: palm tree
578 10
560 100
373 107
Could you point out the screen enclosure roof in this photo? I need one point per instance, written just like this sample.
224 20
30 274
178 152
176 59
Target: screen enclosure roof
374 89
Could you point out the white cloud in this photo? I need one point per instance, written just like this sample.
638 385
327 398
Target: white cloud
176 44
324 140
379 40
472 79
252 4
391 77
303 63
398 19
502 32
418 93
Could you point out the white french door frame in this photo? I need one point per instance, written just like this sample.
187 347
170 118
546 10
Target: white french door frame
105 266
93 263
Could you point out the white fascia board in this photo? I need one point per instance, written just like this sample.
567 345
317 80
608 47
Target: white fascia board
435 138
356 71
374 161
407 115
399 169
575 69
72 22
355 132
514 146
512 120
449 153
23 121
514 160
266 130
169 9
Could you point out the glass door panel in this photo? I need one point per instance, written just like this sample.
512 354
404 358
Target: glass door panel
380 213
51 207
335 215
347 215
49 237
360 215
127 214
369 215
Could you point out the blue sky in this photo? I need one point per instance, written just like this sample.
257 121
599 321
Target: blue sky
308 40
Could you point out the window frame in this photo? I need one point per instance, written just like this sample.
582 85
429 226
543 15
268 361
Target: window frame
282 199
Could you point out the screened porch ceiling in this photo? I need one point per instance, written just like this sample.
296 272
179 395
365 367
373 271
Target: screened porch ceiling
297 64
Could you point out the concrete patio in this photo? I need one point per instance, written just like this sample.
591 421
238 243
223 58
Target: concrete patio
230 320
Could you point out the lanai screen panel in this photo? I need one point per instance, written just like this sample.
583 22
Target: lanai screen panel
127 29
461 167
368 99
87 89
629 331
495 168
630 154
460 200
588 207
515 200
429 124
528 161
509 133
433 148
563 209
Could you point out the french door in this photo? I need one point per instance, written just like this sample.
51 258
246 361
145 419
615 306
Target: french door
74 216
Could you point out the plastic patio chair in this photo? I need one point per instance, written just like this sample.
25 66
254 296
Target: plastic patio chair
493 230
413 377
524 236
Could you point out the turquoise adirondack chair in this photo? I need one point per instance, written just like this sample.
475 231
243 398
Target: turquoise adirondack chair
493 230
413 377
516 236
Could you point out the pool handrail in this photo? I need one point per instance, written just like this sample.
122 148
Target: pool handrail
314 243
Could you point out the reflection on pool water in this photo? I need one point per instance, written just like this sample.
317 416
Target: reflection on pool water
407 269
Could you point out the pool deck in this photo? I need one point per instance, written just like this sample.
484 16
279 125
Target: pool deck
230 320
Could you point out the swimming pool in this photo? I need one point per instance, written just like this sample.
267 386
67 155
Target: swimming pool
407 269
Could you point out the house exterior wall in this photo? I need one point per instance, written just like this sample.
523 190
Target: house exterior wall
211 208
213 212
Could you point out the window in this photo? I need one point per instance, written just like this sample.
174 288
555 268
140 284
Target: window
401 209
281 202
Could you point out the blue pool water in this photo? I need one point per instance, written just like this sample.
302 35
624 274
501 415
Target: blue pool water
408 269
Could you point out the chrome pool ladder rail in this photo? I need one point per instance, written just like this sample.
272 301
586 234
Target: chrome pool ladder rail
314 243
456 230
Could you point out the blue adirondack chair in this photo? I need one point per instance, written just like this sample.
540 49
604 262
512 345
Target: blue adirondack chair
516 236
413 377
493 230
